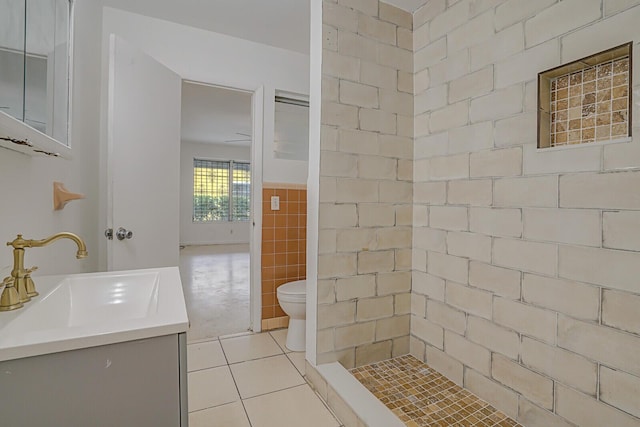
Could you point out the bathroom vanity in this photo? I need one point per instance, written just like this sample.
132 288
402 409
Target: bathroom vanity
99 349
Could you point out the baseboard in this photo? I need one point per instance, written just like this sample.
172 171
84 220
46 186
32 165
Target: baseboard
275 323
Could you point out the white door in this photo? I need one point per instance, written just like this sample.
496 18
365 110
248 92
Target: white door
143 134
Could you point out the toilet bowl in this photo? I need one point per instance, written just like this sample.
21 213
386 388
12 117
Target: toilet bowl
292 297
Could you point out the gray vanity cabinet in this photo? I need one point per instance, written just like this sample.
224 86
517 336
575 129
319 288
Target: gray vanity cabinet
136 383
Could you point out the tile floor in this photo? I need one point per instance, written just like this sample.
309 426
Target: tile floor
420 396
251 380
215 280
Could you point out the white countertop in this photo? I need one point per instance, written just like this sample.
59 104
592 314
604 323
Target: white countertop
69 314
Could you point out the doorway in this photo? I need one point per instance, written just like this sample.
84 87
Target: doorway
217 177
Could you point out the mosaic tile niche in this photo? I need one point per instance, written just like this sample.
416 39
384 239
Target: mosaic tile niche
586 101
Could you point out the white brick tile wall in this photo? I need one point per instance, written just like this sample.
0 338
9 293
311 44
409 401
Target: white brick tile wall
495 338
575 299
446 316
497 163
531 385
450 116
620 230
476 192
470 354
427 331
498 104
539 191
602 344
513 11
448 267
561 18
620 310
575 226
470 300
471 138
497 48
496 222
429 285
525 255
526 65
534 416
500 281
448 218
536 161
518 130
620 390
526 319
453 17
583 410
471 85
585 265
445 364
569 368
494 393
469 245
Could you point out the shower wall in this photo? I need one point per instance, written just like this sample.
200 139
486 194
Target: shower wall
365 219
526 262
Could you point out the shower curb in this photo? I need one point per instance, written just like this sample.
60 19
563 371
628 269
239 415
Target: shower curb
353 404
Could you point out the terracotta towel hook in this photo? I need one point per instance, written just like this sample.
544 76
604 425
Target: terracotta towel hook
62 196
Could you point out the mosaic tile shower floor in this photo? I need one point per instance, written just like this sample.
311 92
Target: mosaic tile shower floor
420 396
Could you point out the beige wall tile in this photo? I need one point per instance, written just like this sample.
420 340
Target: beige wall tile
583 410
395 15
429 100
472 85
502 45
531 415
602 344
376 215
469 245
470 354
448 20
500 281
497 104
429 285
371 353
516 10
355 287
429 11
341 313
339 115
326 291
402 303
358 94
356 239
377 121
470 300
527 320
430 192
393 283
429 55
473 31
427 331
375 262
493 337
343 67
396 102
526 65
448 117
536 161
620 390
358 141
533 386
446 316
338 164
448 267
405 81
353 45
496 222
564 366
503 162
449 167
620 230
620 310
416 348
336 265
526 256
477 192
585 265
395 191
470 138
378 30
339 16
518 130
369 7
526 192
600 190
418 305
494 393
551 22
392 327
445 364
572 298
395 57
576 226
354 335
337 216
448 218
378 75
400 347
430 239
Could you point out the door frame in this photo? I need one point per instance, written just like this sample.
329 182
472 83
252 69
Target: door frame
255 222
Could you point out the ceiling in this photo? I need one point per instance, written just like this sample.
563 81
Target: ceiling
215 115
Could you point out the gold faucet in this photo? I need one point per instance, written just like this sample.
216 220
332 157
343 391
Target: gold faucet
22 282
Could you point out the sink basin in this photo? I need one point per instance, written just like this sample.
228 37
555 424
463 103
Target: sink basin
84 310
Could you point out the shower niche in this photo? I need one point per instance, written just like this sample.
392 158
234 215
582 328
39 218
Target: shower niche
586 101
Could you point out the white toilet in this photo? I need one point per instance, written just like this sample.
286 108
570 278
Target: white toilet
292 297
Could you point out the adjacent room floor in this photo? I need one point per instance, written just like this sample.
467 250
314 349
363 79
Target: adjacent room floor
215 279
251 380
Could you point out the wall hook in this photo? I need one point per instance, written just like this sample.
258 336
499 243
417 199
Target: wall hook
62 196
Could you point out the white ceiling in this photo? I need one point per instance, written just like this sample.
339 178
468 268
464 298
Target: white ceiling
215 115
280 23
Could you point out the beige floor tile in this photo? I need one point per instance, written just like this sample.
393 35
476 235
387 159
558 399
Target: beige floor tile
211 387
280 335
205 355
297 358
249 347
266 375
229 415
293 407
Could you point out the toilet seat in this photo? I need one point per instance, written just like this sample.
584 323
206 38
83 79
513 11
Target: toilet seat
293 291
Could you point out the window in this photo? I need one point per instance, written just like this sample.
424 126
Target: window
221 191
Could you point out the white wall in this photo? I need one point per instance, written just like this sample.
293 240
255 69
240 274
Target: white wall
210 233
